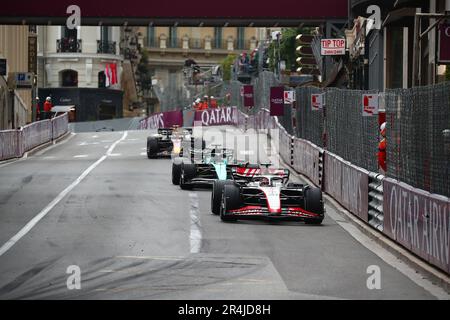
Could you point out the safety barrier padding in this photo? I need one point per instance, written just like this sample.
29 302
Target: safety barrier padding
347 184
418 220
308 160
10 144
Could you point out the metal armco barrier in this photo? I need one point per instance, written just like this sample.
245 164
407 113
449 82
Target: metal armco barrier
36 134
308 160
14 143
9 144
376 217
286 147
60 125
419 221
347 184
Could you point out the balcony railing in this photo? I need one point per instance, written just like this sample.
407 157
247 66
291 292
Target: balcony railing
68 45
198 44
108 47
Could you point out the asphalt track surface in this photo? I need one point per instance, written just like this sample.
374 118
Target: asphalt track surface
115 214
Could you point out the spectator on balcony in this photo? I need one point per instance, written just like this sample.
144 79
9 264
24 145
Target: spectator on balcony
48 105
382 150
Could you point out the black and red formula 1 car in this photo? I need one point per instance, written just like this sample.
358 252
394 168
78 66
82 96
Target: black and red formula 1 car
171 142
264 193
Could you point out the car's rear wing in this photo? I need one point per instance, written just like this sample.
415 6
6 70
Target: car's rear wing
165 131
248 172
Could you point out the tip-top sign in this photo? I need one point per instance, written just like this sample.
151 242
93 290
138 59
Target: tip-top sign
332 47
370 104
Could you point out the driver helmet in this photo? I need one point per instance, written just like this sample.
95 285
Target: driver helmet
264 182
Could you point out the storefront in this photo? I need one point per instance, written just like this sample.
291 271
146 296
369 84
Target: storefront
90 104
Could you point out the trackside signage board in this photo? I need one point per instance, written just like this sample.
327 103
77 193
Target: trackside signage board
289 97
332 47
444 44
370 105
317 101
418 220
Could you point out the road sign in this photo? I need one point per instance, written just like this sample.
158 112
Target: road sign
289 97
317 101
20 80
332 47
370 104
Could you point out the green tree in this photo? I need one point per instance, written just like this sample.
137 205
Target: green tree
447 73
143 72
226 66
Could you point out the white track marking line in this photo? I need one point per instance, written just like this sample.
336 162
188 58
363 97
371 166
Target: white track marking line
81 156
195 236
11 242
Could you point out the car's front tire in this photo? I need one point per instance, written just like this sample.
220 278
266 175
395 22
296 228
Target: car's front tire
231 200
216 195
314 204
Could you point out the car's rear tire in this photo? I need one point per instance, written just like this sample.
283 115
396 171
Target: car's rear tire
231 199
152 148
314 204
176 173
188 172
216 195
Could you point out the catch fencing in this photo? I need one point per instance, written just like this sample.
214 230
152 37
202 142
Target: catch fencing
14 143
418 137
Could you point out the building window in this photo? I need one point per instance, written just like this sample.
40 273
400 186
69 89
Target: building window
173 37
218 37
151 37
105 45
68 78
101 79
240 38
395 57
69 41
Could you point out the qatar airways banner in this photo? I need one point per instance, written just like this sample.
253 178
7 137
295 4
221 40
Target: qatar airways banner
418 220
277 101
163 120
216 117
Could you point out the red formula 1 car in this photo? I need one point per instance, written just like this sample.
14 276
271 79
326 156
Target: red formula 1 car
264 193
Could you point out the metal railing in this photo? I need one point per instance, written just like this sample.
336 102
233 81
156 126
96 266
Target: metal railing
14 143
108 47
68 45
376 217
